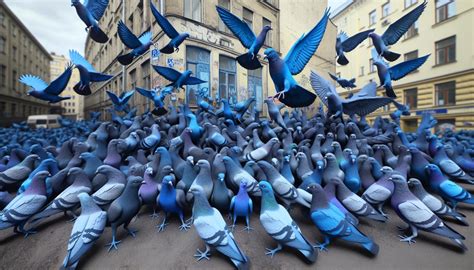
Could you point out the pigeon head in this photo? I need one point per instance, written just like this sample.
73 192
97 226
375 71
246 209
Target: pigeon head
431 168
168 180
149 171
103 169
386 169
85 155
265 187
267 28
413 182
167 169
74 171
271 54
75 3
397 179
134 181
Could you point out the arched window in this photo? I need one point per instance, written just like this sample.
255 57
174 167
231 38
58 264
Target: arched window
197 60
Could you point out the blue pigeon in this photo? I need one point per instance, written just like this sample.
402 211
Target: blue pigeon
87 229
176 37
138 45
178 79
351 172
244 33
194 127
388 74
278 223
41 90
417 215
121 103
87 74
347 44
282 70
171 200
344 83
91 13
49 165
334 224
449 167
157 98
394 32
241 206
211 227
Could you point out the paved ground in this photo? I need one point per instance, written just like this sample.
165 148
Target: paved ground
173 249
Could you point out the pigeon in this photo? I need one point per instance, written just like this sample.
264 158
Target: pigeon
246 36
149 191
203 179
236 175
87 74
274 114
138 45
241 205
263 151
49 165
211 228
388 74
23 206
124 208
41 90
332 169
394 32
5 199
91 163
171 200
333 224
90 13
87 229
19 172
157 98
347 44
112 188
221 196
351 172
121 103
433 203
380 191
176 37
417 215
344 83
449 167
288 90
278 223
177 79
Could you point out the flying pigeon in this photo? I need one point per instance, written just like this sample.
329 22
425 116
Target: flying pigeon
87 74
121 103
344 83
138 45
90 13
178 80
158 98
176 37
347 44
282 70
244 33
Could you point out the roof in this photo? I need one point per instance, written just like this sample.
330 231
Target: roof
341 8
23 27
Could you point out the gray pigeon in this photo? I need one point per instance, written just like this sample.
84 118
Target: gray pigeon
380 191
26 204
237 174
203 180
263 151
112 189
124 208
417 215
87 229
274 113
332 169
19 172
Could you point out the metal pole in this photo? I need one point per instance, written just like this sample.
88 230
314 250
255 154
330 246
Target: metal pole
124 70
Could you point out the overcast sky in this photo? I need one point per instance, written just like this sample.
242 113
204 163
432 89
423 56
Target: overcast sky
57 26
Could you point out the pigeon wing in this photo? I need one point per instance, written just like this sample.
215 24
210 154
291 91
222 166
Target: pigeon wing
97 7
169 73
169 30
113 97
322 87
397 29
127 37
115 211
99 77
368 90
24 207
34 82
303 49
145 37
334 77
401 70
127 96
95 226
193 80
238 27
415 211
60 83
352 42
78 59
364 106
145 93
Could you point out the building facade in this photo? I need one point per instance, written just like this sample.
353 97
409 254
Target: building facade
20 53
444 85
209 52
71 108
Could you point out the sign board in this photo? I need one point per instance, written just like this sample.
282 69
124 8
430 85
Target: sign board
435 111
170 62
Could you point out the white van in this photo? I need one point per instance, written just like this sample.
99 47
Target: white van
44 121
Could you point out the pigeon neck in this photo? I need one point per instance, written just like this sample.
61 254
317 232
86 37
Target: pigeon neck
319 199
88 206
201 206
38 186
268 201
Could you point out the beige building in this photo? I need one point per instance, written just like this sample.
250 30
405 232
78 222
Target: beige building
20 53
210 50
71 108
444 85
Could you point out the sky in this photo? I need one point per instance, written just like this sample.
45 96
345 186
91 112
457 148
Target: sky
57 26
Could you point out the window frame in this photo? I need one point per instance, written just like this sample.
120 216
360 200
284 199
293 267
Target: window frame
375 17
445 9
383 6
226 73
196 63
445 93
446 51
413 2
408 93
192 17
221 27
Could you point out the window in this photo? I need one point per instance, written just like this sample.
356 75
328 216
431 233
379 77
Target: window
227 80
2 44
411 97
268 39
2 107
3 75
13 109
14 80
14 53
412 31
2 19
254 86
445 93
372 17
411 55
247 16
411 125
446 51
225 4
445 9
371 65
197 60
133 78
386 9
192 9
146 74
361 71
409 3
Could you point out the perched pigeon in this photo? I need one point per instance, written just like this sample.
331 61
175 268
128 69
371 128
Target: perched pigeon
176 37
171 200
242 206
148 191
90 13
221 196
19 172
112 188
87 74
138 45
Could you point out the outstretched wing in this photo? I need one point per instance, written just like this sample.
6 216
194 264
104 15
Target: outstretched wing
97 7
99 77
113 97
401 70
193 80
127 37
352 42
397 29
34 82
364 106
342 36
334 77
78 59
60 83
322 87
127 96
145 37
369 90
169 73
303 49
238 27
169 30
145 93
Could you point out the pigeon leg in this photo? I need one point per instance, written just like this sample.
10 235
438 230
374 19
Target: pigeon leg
130 231
234 219
403 228
380 209
155 214
410 239
163 224
271 252
176 50
248 228
71 214
184 226
203 254
114 243
190 220
26 233
279 95
323 245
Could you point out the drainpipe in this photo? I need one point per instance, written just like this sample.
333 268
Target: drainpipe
124 70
